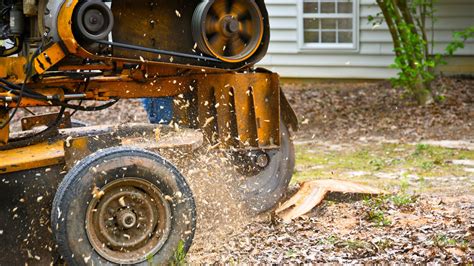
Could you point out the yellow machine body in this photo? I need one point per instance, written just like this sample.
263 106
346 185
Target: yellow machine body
200 52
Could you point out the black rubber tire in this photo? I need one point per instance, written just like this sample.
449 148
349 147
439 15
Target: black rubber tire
74 194
262 191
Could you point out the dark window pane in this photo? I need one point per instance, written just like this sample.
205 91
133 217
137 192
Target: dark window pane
328 24
345 24
344 7
311 23
311 36
345 37
310 8
328 7
328 37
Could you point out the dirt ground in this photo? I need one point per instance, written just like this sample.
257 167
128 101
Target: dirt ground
364 132
345 112
367 132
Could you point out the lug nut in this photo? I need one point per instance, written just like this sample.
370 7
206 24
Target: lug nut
262 160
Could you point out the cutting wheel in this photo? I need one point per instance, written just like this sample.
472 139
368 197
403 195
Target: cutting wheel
231 30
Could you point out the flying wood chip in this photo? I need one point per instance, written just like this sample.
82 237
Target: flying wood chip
313 193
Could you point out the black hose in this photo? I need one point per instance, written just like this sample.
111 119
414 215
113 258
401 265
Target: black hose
50 131
28 94
50 127
12 86
17 47
57 102
29 69
89 108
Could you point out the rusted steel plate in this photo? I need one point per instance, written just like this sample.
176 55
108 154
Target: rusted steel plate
266 99
12 67
30 122
36 156
184 140
240 109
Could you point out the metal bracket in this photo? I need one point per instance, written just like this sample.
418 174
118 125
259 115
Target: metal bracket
30 122
50 57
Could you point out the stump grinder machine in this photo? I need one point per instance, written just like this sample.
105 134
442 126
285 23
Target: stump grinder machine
91 195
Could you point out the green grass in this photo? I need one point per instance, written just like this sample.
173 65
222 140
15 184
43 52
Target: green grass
291 253
376 211
441 240
331 240
384 244
179 258
378 217
423 161
402 199
354 244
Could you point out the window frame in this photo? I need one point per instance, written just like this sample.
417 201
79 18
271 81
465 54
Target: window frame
325 47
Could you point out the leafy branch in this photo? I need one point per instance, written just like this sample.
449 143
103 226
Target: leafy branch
459 39
409 22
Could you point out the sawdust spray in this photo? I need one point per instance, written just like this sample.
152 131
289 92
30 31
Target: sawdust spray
221 211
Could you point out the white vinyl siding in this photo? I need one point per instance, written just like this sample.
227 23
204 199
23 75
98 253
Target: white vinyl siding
374 54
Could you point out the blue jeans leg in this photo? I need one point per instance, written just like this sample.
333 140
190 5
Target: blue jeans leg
159 110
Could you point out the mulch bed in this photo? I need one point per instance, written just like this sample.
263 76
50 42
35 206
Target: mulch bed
342 111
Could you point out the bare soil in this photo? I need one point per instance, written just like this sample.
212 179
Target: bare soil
436 227
350 111
429 230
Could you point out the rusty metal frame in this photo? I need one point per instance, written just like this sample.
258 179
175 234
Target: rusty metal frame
72 145
234 110
244 107
40 155
48 58
30 122
240 110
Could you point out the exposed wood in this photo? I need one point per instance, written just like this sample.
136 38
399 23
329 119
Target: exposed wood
312 193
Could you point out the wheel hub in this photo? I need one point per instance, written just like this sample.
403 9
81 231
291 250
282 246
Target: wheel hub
126 219
93 20
130 222
230 26
229 30
262 160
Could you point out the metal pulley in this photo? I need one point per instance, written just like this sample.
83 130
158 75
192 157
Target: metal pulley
230 30
93 21
224 34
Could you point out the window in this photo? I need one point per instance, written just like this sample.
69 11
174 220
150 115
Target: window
328 24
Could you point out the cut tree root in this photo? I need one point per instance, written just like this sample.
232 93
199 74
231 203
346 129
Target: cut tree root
312 193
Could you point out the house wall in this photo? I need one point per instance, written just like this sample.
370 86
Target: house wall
375 50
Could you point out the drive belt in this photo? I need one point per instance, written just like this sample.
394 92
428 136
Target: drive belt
157 51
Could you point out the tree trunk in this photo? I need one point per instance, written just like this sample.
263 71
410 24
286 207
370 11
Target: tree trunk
411 45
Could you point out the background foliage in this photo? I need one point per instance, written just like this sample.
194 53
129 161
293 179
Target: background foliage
412 24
